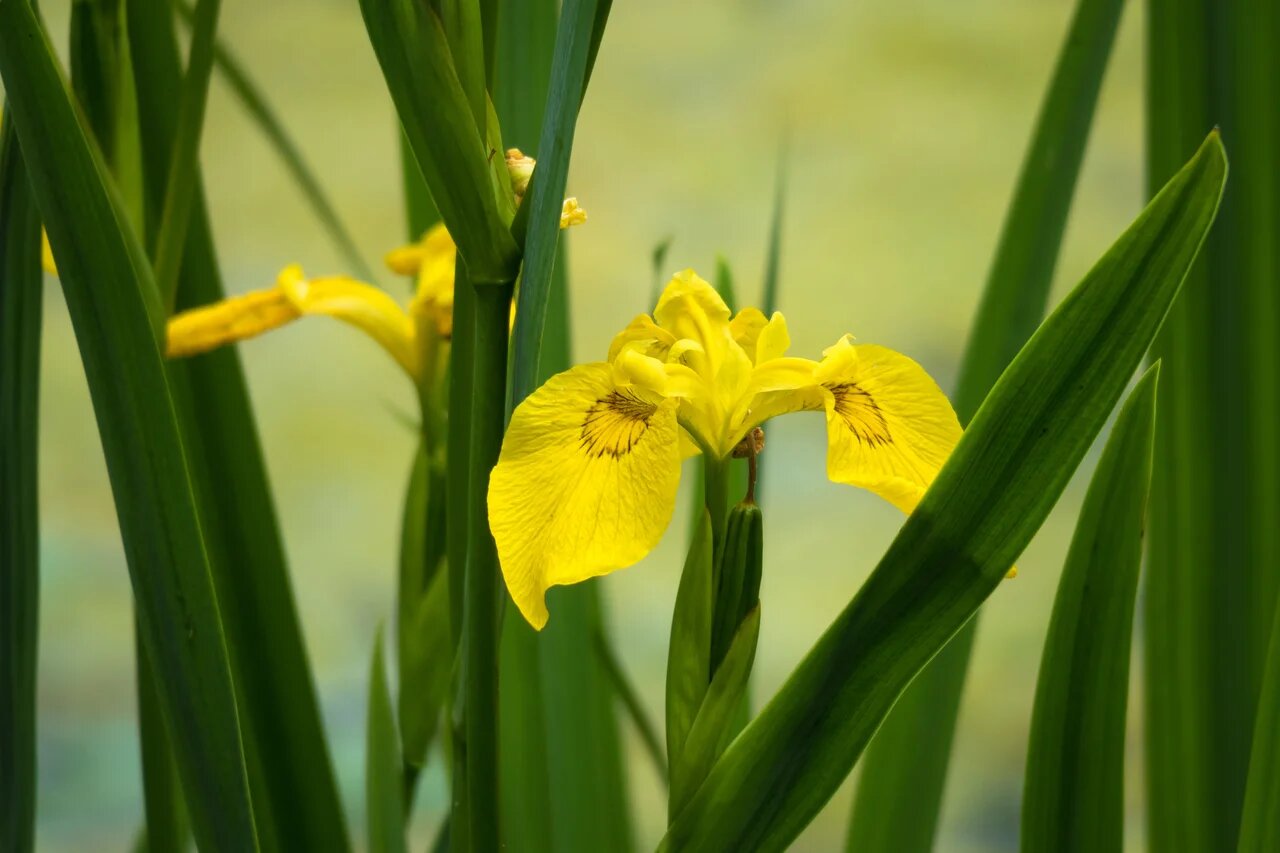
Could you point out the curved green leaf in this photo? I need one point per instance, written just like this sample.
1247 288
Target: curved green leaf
899 795
1260 820
1073 798
985 505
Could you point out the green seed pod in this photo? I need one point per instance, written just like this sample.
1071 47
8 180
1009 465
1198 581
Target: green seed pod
738 591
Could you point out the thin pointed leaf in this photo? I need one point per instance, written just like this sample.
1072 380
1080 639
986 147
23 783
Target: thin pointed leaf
1073 797
383 806
985 505
581 24
899 795
773 249
112 300
184 162
21 292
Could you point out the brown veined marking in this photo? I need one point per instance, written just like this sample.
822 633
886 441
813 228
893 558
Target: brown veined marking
860 412
614 424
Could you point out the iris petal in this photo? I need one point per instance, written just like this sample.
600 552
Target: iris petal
585 484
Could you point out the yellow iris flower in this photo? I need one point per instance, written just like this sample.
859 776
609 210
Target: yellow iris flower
408 335
587 477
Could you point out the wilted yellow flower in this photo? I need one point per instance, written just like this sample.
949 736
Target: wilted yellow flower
587 477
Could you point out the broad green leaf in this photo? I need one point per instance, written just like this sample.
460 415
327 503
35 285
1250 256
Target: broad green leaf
689 652
899 795
581 24
1216 485
989 499
722 701
1073 797
449 147
184 170
290 773
113 303
254 101
21 293
383 803
1260 819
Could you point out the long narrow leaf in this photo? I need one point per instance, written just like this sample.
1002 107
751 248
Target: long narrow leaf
985 505
108 285
579 26
573 769
1073 798
1216 491
21 293
180 187
167 829
291 776
899 796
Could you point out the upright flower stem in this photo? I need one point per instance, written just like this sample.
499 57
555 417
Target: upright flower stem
716 495
482 601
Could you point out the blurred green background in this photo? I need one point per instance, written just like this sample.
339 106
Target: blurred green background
906 123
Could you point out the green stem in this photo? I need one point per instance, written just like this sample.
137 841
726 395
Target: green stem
716 494
482 602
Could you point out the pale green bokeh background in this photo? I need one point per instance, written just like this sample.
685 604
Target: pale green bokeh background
906 121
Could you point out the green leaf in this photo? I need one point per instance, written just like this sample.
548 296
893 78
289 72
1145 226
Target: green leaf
420 210
291 775
689 652
1073 797
581 23
21 292
1216 486
384 808
989 499
112 299
167 829
254 101
723 700
425 666
448 145
1260 820
184 162
899 795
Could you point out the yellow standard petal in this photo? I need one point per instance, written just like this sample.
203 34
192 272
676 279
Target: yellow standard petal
889 427
585 484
